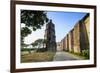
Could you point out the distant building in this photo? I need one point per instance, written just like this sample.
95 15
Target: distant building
50 37
62 44
59 46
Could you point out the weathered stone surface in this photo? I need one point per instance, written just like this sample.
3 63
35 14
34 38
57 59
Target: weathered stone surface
81 34
50 37
78 38
71 41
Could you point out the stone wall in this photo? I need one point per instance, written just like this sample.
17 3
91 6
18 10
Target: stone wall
69 41
78 38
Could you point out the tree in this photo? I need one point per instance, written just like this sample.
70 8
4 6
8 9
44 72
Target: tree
24 45
44 43
39 42
24 32
34 44
33 19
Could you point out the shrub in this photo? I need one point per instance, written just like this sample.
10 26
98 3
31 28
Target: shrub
41 50
27 49
85 53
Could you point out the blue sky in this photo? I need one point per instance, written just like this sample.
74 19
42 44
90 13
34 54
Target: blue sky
64 22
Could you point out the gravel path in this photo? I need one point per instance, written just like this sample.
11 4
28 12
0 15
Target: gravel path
61 56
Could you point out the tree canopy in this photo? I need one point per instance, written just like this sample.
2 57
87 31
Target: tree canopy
38 43
33 19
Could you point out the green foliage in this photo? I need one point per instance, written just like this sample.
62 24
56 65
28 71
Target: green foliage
72 52
39 42
23 45
41 50
25 31
34 44
27 49
34 19
85 53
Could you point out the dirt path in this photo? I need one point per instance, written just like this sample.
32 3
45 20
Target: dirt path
61 56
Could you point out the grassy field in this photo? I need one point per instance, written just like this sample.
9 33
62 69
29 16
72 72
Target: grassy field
36 57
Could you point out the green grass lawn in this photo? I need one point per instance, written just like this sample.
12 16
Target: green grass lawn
37 57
